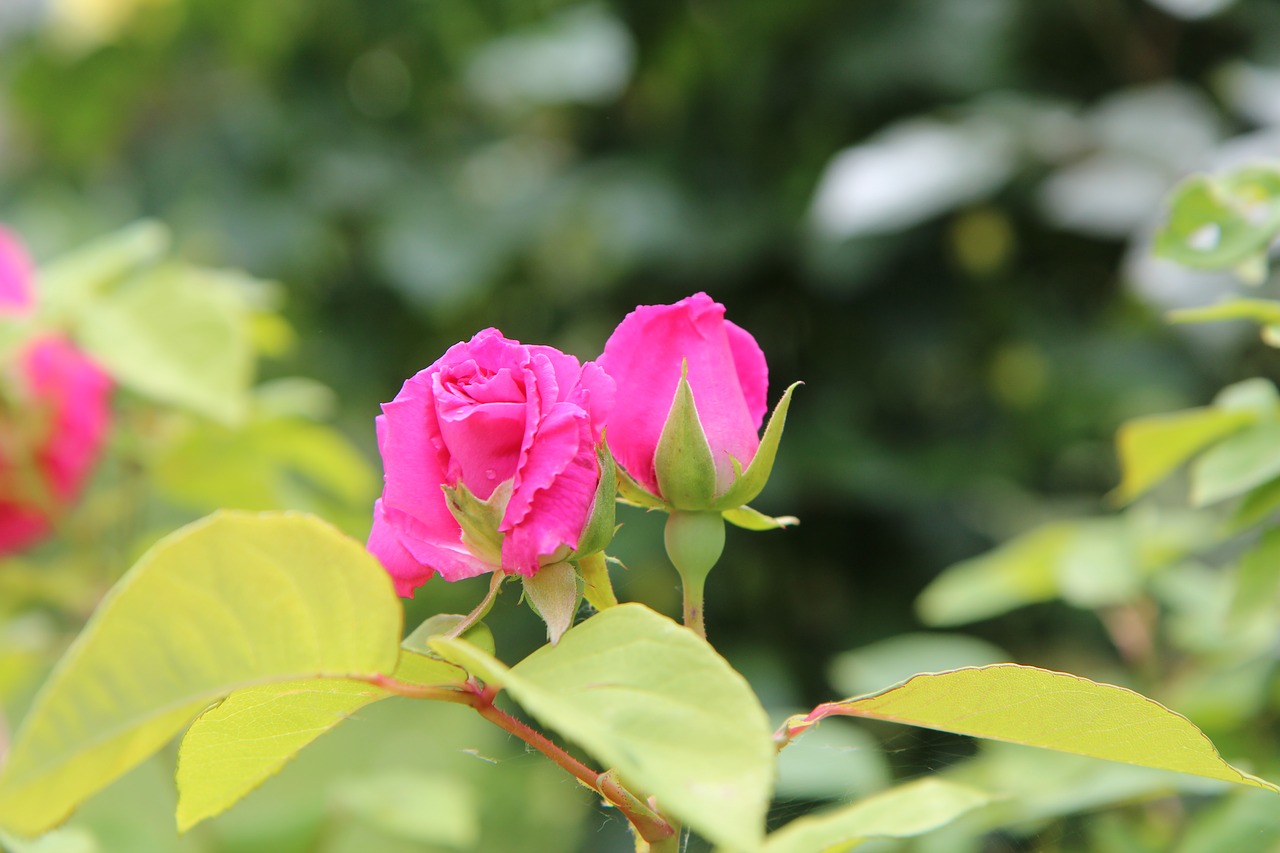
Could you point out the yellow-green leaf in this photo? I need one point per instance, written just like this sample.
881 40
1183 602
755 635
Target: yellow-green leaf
1152 448
177 336
902 812
238 744
226 603
1245 460
651 700
1051 710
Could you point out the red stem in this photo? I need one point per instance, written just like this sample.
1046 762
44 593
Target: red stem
649 825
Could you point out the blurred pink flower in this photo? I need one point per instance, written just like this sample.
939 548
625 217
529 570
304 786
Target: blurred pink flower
51 439
17 296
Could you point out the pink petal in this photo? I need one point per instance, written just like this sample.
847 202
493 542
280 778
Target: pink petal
753 371
557 513
644 356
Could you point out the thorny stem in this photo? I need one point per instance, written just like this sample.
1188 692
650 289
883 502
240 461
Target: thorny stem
648 824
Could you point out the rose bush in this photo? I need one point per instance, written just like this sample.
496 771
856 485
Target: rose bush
726 372
515 426
54 421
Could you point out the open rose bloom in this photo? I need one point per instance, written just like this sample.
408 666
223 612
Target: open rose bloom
54 420
515 426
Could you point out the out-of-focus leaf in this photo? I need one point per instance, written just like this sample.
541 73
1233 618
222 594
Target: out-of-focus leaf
1019 572
424 807
230 602
177 337
1051 710
654 702
1263 311
1241 462
909 173
908 810
1222 222
67 284
1258 579
832 762
867 669
269 464
1153 447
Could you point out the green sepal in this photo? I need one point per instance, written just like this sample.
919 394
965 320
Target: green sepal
682 461
748 484
751 519
553 594
600 526
479 519
632 493
597 587
477 634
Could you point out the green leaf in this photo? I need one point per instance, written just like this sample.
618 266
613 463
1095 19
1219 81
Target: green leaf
553 592
654 702
418 641
1222 222
750 519
1151 448
177 337
682 461
235 746
1245 460
750 483
68 283
1051 710
233 601
902 812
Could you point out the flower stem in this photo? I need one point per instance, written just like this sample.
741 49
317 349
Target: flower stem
693 616
648 824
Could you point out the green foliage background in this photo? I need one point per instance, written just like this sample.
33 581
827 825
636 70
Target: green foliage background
414 170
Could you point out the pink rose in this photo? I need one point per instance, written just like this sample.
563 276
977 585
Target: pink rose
491 415
726 373
48 450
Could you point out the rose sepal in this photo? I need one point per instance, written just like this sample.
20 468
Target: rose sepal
597 586
747 485
630 492
601 524
554 595
682 462
752 519
480 519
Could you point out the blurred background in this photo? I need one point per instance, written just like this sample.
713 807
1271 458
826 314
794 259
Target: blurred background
934 213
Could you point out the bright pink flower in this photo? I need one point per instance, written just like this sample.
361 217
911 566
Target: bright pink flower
49 449
490 410
727 374
16 294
